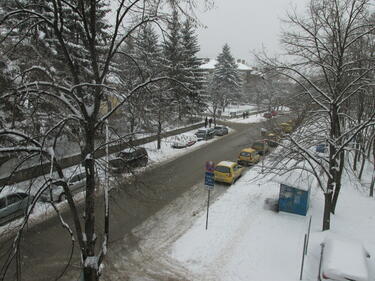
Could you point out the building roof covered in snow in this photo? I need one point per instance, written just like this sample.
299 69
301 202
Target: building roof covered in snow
210 65
300 179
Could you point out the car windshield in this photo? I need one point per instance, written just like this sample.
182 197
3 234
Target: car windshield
222 169
245 154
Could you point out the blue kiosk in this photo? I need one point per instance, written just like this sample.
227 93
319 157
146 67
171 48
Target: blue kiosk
295 189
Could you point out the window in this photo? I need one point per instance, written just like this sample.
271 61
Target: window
222 169
245 154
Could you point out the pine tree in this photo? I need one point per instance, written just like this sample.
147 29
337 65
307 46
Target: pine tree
172 61
192 75
156 99
226 80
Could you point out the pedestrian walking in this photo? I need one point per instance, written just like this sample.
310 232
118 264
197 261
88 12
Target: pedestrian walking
243 115
210 122
205 122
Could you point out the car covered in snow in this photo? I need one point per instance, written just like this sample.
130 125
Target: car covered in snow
205 133
14 205
184 140
343 259
128 159
56 193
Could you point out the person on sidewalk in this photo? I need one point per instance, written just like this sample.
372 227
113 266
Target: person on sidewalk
205 122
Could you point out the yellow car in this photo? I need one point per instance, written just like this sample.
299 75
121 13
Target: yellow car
248 156
272 139
227 171
286 127
261 147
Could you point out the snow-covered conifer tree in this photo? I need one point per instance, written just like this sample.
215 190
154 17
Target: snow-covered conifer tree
226 80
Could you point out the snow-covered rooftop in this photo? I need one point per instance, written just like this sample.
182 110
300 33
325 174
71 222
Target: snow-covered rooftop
212 62
299 179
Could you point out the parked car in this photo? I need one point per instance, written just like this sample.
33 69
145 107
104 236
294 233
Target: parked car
128 159
274 113
181 141
248 156
56 192
272 139
227 172
286 127
267 115
343 260
221 130
205 134
261 146
14 205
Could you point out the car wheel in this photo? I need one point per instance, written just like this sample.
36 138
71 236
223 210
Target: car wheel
62 197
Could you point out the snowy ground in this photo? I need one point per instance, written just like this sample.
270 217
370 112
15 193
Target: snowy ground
43 211
246 238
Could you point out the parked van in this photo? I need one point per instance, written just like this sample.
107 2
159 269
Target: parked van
248 156
227 171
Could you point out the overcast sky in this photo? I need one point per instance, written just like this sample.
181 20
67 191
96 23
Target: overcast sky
245 25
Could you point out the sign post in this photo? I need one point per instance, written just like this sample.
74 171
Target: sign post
209 182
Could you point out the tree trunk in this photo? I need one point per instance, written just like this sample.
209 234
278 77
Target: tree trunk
373 172
90 271
338 176
355 156
159 135
372 184
214 113
327 211
362 166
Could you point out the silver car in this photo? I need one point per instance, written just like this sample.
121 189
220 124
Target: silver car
56 192
14 205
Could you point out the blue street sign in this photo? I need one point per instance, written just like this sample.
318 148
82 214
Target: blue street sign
209 179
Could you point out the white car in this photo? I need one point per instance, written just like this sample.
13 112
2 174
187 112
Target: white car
184 140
